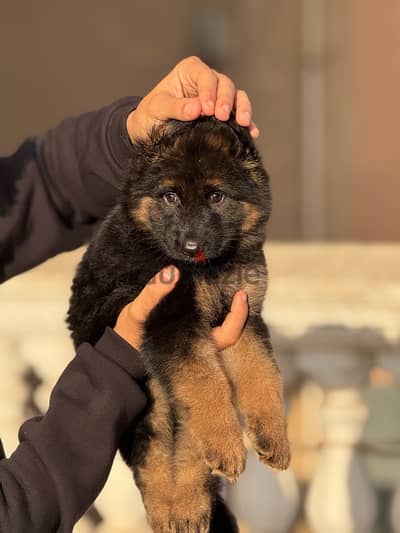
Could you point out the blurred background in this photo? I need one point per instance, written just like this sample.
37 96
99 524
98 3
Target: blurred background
324 79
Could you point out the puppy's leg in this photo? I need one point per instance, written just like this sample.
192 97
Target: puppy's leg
153 468
192 496
259 393
204 398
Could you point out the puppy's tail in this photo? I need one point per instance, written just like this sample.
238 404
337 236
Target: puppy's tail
222 519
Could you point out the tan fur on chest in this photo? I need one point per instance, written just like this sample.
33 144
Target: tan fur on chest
210 297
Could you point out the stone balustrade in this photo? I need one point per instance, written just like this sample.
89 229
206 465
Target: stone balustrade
334 312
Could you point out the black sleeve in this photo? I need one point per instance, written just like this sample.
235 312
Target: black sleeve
64 457
56 187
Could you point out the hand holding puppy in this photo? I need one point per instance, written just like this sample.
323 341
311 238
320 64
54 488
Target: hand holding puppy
131 320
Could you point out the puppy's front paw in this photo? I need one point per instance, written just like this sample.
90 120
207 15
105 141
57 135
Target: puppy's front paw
191 511
270 441
188 525
159 518
225 452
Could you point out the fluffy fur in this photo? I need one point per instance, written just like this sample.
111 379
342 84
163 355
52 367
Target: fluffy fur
200 183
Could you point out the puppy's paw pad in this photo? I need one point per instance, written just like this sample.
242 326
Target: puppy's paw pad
273 451
158 513
159 527
228 461
189 525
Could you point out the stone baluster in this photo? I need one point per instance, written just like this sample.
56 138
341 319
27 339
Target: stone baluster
47 353
395 510
341 498
389 359
120 503
266 501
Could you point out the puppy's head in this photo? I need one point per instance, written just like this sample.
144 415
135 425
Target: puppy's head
198 189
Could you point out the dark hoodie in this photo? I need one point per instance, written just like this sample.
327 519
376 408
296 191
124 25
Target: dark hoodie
53 190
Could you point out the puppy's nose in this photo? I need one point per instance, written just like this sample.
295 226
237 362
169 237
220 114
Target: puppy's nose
191 247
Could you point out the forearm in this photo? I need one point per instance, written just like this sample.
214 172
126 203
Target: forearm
64 458
55 188
84 158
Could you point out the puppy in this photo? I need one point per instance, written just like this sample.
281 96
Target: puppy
197 196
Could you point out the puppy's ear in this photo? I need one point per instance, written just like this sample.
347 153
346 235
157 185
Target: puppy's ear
138 164
249 154
247 146
212 134
224 141
145 152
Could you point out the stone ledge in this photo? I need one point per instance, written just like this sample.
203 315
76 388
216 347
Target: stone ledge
311 284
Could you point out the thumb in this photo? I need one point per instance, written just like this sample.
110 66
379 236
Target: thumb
231 329
155 290
163 106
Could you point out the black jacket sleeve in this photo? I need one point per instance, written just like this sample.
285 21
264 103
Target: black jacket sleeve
64 457
56 187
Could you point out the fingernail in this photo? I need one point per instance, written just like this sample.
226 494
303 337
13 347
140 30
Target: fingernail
173 272
168 275
226 108
209 106
189 109
246 114
243 296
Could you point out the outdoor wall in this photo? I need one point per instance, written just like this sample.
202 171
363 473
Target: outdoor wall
62 59
375 58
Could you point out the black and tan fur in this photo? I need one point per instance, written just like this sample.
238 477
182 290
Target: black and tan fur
202 401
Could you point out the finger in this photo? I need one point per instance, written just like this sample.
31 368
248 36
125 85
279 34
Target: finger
230 330
163 106
243 109
155 290
197 77
254 131
225 97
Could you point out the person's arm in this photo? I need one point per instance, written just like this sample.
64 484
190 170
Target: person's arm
56 187
64 457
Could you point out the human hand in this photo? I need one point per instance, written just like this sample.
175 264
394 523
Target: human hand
229 332
190 89
130 322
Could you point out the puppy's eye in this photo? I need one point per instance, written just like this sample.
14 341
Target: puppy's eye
216 197
171 198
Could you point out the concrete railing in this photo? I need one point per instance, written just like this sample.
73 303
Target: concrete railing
334 312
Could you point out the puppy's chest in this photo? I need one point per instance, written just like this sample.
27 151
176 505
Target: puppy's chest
213 295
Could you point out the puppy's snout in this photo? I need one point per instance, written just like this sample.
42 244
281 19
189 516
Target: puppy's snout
191 246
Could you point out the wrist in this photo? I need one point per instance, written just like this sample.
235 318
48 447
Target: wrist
117 135
130 333
134 126
130 126
116 348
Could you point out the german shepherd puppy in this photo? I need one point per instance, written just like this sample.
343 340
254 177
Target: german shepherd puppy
197 196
